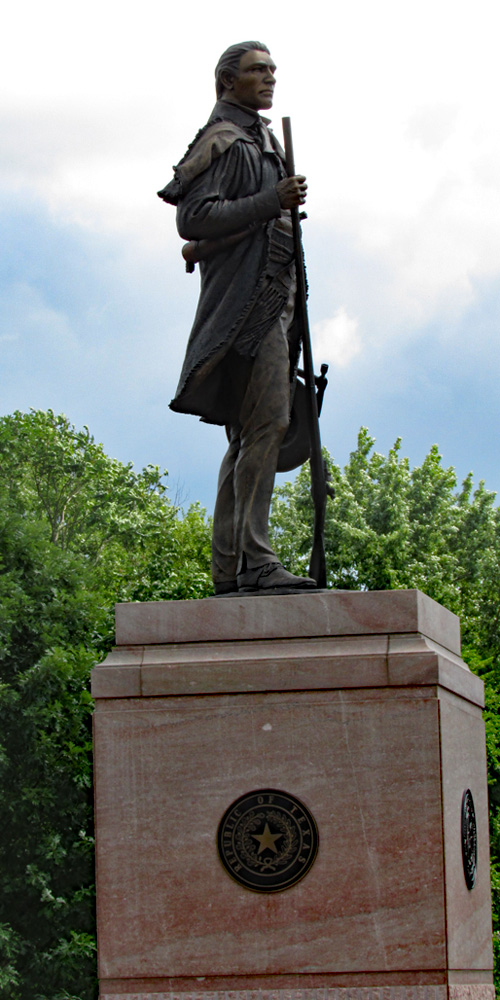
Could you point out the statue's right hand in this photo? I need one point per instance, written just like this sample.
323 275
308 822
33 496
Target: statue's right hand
292 191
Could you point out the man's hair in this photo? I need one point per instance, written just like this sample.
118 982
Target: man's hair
230 60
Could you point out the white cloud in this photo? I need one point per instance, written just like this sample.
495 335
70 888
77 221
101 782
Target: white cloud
433 124
336 340
394 117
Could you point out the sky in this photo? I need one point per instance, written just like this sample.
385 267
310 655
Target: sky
396 126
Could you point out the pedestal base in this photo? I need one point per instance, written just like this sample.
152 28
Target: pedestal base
357 704
387 992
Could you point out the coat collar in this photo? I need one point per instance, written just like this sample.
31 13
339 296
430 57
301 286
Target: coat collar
238 114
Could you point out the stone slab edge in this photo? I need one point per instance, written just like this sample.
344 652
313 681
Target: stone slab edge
470 991
290 616
283 665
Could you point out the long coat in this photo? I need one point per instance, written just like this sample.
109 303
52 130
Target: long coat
227 184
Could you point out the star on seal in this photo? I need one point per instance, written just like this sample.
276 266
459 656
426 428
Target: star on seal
267 840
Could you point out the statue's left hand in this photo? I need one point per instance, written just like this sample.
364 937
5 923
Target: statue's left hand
292 191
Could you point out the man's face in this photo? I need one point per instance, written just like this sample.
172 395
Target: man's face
254 85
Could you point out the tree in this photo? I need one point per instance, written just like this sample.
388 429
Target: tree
46 854
78 532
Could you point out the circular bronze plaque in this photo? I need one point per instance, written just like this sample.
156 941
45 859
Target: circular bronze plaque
469 839
267 840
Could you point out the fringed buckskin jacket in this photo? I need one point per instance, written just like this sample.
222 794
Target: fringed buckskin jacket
224 185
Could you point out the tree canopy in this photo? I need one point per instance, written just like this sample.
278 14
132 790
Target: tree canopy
80 531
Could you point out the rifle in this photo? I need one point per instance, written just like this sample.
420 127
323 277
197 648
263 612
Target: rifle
320 487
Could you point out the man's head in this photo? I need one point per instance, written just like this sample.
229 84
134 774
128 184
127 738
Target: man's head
245 76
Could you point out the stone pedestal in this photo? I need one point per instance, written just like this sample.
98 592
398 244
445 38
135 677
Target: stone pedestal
357 704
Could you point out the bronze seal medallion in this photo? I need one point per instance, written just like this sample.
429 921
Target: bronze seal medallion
267 840
469 839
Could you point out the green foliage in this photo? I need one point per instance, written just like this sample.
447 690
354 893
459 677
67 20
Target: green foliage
46 853
78 532
64 477
392 527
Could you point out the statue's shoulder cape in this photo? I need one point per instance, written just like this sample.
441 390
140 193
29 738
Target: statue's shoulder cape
213 141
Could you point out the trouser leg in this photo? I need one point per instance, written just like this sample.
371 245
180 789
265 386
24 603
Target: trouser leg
248 469
224 558
264 420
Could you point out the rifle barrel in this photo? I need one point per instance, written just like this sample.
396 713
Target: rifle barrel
317 565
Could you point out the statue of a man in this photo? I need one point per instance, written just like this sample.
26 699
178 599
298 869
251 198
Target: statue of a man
233 200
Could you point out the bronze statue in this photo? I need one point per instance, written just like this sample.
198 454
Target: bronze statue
233 199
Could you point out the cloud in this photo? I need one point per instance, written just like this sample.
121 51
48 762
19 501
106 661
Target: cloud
433 124
336 340
402 156
98 169
87 311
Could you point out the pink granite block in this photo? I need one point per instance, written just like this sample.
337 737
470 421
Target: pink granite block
112 683
425 992
471 991
282 665
290 616
430 991
360 706
414 659
345 662
468 912
119 675
314 985
373 898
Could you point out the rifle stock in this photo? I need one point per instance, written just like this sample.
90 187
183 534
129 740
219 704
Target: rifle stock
319 489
